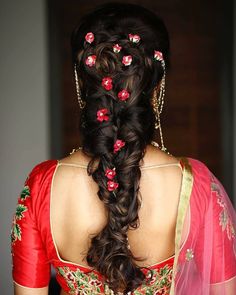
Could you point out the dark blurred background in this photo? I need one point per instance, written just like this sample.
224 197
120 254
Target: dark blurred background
39 110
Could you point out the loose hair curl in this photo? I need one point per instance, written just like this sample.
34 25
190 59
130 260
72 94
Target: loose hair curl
132 121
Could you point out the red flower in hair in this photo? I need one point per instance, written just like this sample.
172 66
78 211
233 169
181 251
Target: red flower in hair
107 83
111 185
90 60
123 95
134 38
127 60
110 173
89 37
158 55
102 115
117 48
118 145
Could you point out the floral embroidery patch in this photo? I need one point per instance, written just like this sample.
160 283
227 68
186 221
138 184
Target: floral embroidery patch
19 214
80 282
224 219
189 254
158 282
25 193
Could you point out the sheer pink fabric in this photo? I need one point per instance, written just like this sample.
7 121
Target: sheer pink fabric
206 239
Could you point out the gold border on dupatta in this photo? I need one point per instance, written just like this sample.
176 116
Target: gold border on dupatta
185 193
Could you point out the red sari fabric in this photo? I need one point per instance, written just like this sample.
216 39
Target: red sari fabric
33 249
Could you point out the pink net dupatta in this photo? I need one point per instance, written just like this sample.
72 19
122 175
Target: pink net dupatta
205 240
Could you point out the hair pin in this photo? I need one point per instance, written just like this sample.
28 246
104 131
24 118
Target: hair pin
110 173
134 38
158 55
102 115
89 37
112 185
90 60
118 145
127 60
107 83
123 95
117 48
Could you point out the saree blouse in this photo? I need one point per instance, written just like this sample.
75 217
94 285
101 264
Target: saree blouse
205 240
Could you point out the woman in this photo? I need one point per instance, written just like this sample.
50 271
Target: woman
120 215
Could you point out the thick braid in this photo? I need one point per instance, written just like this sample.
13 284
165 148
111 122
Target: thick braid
117 73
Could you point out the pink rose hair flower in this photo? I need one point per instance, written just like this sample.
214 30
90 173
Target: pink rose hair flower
117 48
102 115
89 37
112 185
127 60
90 60
123 95
158 55
118 145
107 83
134 38
110 173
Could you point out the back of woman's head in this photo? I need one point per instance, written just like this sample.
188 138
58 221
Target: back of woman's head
113 52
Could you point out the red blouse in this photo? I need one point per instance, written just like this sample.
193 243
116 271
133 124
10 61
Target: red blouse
34 251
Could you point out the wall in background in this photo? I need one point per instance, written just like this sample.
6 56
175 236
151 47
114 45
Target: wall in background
226 40
234 93
24 109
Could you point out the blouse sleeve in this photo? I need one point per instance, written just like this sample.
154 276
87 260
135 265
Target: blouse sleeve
31 267
206 261
223 270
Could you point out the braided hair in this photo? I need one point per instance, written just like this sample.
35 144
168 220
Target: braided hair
112 51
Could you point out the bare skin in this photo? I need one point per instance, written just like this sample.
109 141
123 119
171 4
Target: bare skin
74 195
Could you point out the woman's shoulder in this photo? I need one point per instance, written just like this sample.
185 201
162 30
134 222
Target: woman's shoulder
202 173
205 182
37 184
199 169
40 172
197 164
43 167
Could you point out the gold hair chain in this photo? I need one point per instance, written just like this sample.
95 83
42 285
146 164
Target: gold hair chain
78 92
158 103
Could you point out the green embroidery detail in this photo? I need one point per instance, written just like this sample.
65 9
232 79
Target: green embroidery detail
15 232
89 284
79 282
25 193
19 214
19 211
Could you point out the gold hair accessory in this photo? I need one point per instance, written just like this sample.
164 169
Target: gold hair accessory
80 101
157 103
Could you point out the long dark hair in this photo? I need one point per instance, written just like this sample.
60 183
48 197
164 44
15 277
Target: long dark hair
131 121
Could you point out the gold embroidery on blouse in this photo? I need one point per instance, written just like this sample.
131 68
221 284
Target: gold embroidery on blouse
158 281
